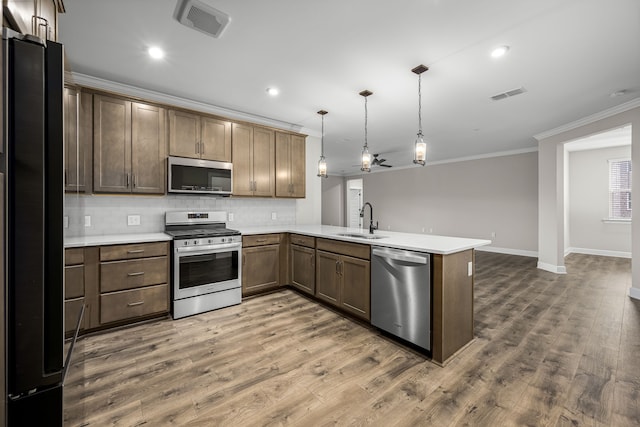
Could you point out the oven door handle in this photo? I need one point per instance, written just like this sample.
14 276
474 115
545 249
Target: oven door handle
195 250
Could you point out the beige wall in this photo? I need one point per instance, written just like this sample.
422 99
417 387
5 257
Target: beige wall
588 196
308 210
468 199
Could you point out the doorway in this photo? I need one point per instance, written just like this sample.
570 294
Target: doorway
354 203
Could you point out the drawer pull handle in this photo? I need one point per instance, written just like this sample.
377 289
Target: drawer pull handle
137 273
261 240
135 251
133 304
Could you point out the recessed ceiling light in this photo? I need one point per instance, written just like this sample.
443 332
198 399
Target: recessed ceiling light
272 91
499 51
155 52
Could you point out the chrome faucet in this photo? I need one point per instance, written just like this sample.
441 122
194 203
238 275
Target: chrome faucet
371 226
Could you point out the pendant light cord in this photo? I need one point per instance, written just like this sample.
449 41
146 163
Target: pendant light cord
419 104
322 139
365 122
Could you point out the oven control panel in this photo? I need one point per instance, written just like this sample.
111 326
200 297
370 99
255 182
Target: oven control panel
205 241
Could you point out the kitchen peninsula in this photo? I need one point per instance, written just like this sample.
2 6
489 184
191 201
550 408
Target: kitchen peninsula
303 249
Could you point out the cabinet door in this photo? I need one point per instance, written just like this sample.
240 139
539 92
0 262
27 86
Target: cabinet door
148 148
184 134
303 268
263 162
112 144
260 268
356 289
242 156
298 166
216 139
283 164
78 116
327 277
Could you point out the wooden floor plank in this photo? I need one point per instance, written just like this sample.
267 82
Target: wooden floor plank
549 350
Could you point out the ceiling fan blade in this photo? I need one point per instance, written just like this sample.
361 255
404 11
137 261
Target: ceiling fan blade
386 166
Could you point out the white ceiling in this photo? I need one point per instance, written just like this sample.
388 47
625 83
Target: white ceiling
570 55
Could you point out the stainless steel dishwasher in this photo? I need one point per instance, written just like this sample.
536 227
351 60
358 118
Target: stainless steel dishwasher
401 294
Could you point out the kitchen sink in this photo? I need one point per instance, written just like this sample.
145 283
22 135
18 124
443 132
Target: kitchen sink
362 236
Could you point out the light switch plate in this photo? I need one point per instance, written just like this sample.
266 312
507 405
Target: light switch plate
66 221
274 216
133 219
470 269
87 220
231 217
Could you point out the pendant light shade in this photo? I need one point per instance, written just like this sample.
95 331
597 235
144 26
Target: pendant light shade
365 165
420 147
322 163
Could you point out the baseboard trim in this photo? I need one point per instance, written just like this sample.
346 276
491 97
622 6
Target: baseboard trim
600 252
634 293
557 269
508 251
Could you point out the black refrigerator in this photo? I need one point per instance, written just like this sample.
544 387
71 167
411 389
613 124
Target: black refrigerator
32 165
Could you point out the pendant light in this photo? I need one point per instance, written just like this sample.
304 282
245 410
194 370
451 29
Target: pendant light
322 163
365 165
420 148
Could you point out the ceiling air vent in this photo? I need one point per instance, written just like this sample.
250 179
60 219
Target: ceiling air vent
199 16
508 94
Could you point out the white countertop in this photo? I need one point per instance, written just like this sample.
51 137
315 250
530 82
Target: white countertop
114 239
415 242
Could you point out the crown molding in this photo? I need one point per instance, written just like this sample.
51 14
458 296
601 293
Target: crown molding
446 161
151 95
629 105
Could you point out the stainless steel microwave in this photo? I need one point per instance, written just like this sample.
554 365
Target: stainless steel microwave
199 176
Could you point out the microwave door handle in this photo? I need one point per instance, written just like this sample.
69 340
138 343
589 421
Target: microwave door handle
197 148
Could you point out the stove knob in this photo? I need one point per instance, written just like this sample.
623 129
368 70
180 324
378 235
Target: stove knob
195 242
211 241
223 240
185 243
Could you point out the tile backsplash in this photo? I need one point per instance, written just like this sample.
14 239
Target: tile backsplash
108 214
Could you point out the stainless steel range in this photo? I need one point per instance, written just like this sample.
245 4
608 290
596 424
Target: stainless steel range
206 262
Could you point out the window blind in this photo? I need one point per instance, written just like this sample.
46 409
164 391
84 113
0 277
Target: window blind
620 189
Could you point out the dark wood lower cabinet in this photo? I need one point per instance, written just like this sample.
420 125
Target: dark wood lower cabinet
342 280
260 269
303 268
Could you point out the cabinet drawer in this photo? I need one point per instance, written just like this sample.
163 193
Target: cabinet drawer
74 281
299 239
119 275
344 248
71 311
137 250
260 239
123 305
73 256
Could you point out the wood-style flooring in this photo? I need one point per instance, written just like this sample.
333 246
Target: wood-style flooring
550 350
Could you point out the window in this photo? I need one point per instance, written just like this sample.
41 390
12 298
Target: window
620 189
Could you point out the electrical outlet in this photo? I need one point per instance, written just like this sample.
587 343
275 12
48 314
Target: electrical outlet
493 234
274 216
470 269
87 220
423 229
66 221
431 230
133 219
230 216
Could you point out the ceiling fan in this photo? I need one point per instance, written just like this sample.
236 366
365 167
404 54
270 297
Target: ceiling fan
379 162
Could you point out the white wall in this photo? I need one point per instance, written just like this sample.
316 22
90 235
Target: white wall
333 200
467 199
309 209
589 204
551 188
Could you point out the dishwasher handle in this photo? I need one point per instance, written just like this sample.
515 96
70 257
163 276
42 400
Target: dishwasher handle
413 257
